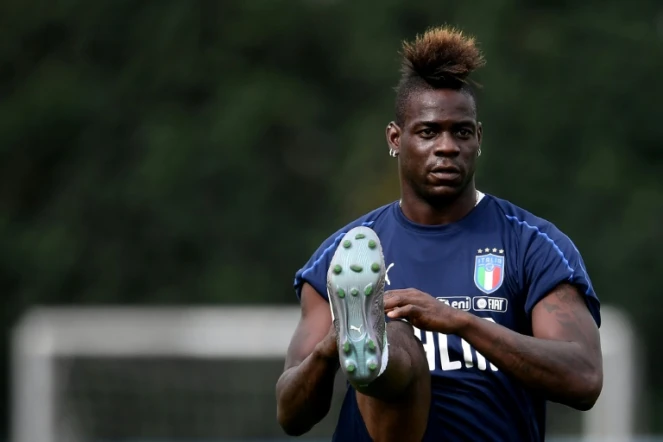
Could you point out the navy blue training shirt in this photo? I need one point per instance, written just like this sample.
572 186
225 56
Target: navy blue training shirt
496 263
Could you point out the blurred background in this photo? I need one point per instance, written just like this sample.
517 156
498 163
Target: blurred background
167 166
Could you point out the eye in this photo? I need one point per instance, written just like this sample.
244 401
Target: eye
427 133
464 133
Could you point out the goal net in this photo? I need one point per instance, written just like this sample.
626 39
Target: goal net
207 374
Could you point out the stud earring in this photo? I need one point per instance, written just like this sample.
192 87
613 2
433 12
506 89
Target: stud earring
393 153
479 152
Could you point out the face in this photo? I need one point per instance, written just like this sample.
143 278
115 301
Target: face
437 145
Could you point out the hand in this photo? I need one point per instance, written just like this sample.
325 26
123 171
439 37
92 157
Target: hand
328 348
423 311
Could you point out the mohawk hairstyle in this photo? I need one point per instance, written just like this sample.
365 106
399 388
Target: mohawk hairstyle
441 58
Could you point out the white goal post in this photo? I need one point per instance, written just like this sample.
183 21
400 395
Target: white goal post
263 332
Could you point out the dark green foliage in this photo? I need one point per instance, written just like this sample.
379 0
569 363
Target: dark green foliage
184 151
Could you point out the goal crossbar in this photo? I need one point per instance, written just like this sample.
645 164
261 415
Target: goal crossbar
255 332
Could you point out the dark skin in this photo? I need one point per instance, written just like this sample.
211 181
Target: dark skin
437 146
304 390
394 407
563 358
440 131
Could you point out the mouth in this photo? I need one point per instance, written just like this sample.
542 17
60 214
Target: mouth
445 173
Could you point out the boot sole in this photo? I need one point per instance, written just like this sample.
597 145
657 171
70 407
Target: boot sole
355 286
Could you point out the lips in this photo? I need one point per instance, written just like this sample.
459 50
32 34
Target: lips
445 170
445 173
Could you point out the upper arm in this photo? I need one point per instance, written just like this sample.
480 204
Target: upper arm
314 324
563 315
551 265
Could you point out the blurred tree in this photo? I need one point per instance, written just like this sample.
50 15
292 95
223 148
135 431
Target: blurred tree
198 152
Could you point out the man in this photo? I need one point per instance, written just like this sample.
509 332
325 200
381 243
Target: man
489 309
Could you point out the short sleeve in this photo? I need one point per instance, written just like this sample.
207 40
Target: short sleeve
315 270
551 258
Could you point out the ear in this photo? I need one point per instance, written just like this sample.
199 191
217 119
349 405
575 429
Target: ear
479 133
394 137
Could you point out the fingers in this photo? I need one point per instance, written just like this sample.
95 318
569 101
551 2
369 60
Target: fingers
394 314
396 298
406 303
398 292
392 302
404 312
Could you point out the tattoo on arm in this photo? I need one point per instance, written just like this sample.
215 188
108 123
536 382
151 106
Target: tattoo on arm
562 354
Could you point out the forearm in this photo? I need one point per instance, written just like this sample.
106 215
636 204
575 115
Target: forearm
563 371
304 393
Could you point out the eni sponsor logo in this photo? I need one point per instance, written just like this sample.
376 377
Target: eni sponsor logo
458 302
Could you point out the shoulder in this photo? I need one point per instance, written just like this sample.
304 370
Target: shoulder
315 270
524 222
370 219
539 242
374 216
547 257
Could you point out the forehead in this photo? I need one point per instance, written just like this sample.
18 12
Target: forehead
439 105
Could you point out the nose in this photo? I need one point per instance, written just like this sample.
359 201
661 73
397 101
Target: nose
446 146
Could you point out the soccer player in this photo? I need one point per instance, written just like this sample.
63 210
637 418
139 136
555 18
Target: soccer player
488 310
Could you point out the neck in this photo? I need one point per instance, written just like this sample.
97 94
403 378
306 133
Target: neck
420 211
